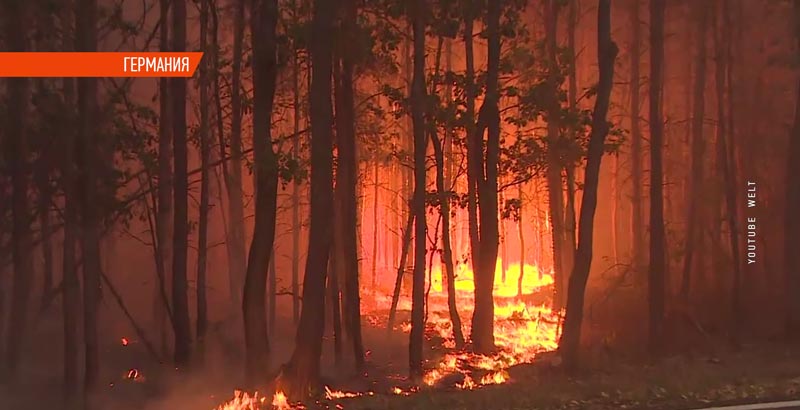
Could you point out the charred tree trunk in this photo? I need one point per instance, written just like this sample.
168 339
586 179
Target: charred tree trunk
555 186
205 168
263 26
301 374
607 53
521 235
164 216
180 301
489 120
335 306
418 12
235 238
694 233
346 185
16 151
792 217
638 227
657 275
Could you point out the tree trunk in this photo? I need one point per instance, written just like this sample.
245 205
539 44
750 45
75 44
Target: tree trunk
346 185
521 235
71 285
638 227
694 231
164 217
657 275
401 267
205 156
489 119
555 186
474 152
418 16
181 325
792 217
87 152
302 372
447 255
375 225
296 227
16 141
607 53
264 20
235 239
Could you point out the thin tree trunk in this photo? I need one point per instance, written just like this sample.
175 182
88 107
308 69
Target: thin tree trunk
87 152
164 217
302 371
296 182
334 301
235 239
555 186
572 96
263 26
16 151
418 95
657 274
792 217
180 286
205 157
71 285
694 233
636 141
521 235
607 53
447 255
346 186
375 226
474 152
401 267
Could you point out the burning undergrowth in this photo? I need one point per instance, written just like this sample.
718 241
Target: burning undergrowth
525 326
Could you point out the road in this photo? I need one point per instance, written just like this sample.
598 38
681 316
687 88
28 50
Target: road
783 405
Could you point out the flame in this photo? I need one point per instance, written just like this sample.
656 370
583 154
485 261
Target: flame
124 341
498 377
468 383
279 401
336 394
244 401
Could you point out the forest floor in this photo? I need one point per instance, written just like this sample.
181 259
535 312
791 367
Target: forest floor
751 373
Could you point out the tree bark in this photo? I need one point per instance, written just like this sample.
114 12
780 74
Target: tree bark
235 239
657 272
418 12
569 169
607 53
164 234
346 185
694 234
263 26
301 374
401 267
205 157
180 286
46 232
474 152
16 151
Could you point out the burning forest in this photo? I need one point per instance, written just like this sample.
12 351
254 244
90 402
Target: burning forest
399 204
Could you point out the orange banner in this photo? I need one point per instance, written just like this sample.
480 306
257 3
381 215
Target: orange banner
99 64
